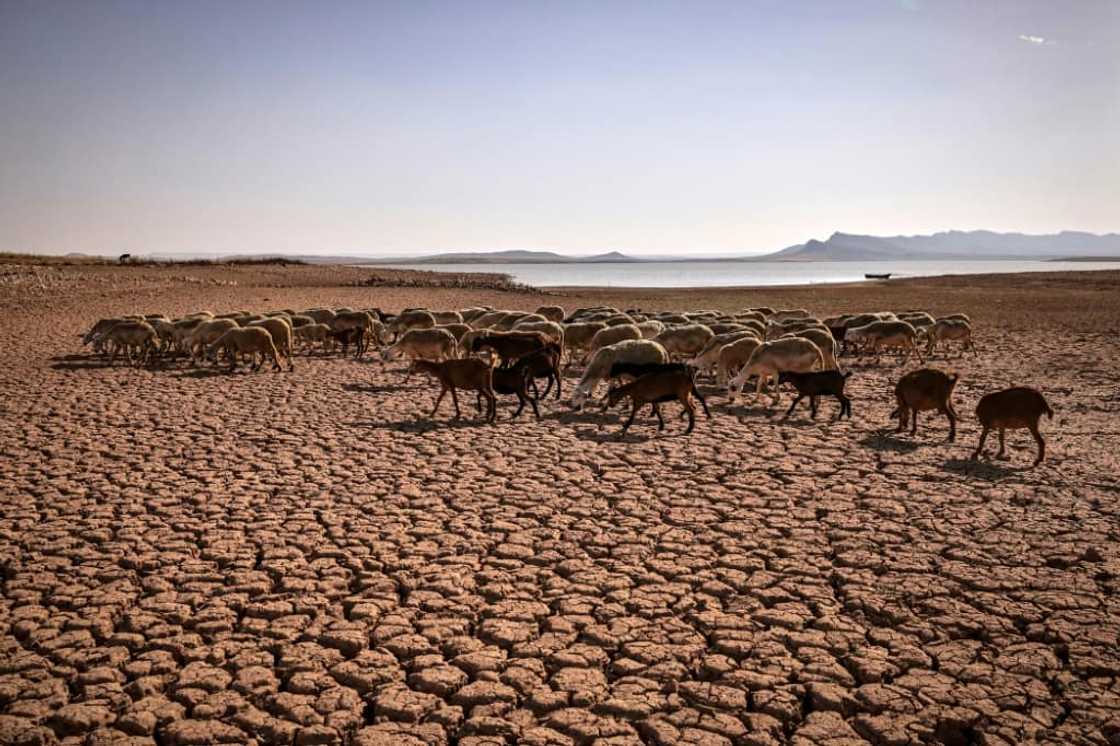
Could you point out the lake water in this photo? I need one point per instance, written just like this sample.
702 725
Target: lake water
737 274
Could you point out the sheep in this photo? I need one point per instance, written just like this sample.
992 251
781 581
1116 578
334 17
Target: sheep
950 330
822 339
406 321
880 334
733 356
708 358
443 318
550 329
815 384
957 317
612 335
774 331
748 315
650 328
246 320
1014 408
130 335
519 318
364 326
790 313
470 374
309 333
684 341
182 329
422 344
673 318
458 331
923 390
488 319
281 332
250 339
724 327
552 313
578 336
626 351
618 319
771 358
96 334
509 346
298 320
470 314
206 333
654 388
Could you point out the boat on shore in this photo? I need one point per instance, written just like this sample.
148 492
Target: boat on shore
878 276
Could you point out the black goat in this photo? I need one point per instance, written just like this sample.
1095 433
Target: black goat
815 384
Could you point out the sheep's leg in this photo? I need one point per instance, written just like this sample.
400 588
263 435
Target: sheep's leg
1041 443
520 403
442 391
902 418
813 406
558 376
914 422
952 415
547 388
980 446
536 391
455 401
536 412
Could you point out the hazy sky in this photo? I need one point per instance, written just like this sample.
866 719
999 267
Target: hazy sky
645 127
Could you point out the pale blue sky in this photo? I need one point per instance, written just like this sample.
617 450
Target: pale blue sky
645 127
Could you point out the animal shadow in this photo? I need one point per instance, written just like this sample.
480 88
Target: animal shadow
884 441
368 388
986 470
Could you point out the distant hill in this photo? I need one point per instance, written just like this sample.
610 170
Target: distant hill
508 257
951 245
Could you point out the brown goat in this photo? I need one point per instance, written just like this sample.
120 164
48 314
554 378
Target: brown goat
1014 408
510 345
923 390
654 388
470 374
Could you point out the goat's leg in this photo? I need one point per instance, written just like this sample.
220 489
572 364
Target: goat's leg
793 406
980 446
455 401
914 422
1041 443
442 391
630 420
1002 444
691 409
660 419
952 415
813 406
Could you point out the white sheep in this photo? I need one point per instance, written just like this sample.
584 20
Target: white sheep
824 340
281 332
444 318
626 351
206 334
733 356
708 358
650 328
552 313
309 333
611 335
432 344
771 358
254 340
131 335
684 341
879 335
578 336
550 329
412 319
949 330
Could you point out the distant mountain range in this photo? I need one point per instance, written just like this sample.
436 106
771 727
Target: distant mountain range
840 247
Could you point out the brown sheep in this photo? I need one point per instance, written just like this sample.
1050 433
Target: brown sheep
922 390
1014 408
654 388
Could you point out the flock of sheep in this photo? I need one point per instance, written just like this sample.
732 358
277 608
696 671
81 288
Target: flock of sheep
649 358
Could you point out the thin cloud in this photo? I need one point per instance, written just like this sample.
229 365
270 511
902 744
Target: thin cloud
1038 40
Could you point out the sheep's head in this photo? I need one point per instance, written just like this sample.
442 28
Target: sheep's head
390 353
580 396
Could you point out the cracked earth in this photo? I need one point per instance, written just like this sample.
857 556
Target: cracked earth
306 558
